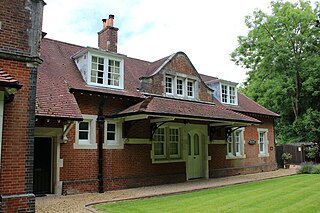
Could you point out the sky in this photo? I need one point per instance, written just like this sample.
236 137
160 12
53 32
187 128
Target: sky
205 30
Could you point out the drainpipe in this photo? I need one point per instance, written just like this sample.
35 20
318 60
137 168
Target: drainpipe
100 122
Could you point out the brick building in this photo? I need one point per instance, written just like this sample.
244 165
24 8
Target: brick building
20 34
107 121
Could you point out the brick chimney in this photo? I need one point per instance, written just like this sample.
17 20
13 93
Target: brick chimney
108 36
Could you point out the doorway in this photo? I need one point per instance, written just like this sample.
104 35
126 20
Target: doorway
195 153
42 166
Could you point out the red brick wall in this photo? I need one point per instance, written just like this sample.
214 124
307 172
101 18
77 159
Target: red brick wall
122 168
13 36
108 39
13 166
220 166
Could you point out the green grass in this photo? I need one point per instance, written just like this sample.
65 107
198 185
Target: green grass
299 193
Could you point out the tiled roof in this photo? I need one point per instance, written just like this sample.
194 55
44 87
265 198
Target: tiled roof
245 104
7 80
54 77
58 74
183 108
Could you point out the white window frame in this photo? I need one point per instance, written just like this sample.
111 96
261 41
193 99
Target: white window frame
182 86
232 144
167 157
265 152
178 142
193 90
175 87
228 94
172 83
160 142
117 143
105 71
91 142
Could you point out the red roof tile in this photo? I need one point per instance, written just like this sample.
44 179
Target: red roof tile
54 77
183 108
247 105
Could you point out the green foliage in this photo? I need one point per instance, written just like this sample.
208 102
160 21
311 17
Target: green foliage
309 169
313 151
282 55
286 156
306 169
316 170
294 193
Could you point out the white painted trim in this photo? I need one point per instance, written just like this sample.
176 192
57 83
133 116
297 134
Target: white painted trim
118 142
56 136
1 119
266 145
218 142
92 133
137 141
106 58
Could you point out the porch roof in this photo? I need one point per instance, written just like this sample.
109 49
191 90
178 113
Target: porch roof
186 109
6 80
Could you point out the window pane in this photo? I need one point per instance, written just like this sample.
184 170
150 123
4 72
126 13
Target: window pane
190 88
94 59
111 136
179 87
174 149
83 135
111 127
111 132
84 126
159 149
196 144
168 85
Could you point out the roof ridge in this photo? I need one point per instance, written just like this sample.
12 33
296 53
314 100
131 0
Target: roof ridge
63 42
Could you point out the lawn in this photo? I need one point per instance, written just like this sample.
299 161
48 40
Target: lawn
299 193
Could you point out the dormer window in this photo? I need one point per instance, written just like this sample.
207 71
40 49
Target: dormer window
106 71
182 87
228 94
169 85
190 88
97 70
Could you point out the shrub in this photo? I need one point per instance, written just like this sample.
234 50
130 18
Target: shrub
316 169
306 169
286 156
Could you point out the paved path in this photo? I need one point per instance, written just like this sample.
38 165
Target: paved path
77 203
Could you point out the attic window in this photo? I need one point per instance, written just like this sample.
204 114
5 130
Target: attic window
228 94
179 87
106 71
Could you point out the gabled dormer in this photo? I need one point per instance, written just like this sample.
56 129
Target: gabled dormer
101 68
224 91
104 66
175 77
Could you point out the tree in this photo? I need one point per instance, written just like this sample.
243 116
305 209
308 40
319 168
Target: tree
282 55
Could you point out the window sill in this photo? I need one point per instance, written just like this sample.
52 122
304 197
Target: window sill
232 157
113 146
262 155
84 146
159 160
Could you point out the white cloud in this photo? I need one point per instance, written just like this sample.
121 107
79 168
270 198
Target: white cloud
149 30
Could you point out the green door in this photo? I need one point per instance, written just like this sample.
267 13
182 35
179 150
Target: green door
194 156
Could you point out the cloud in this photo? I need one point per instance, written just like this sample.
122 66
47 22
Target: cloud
149 30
